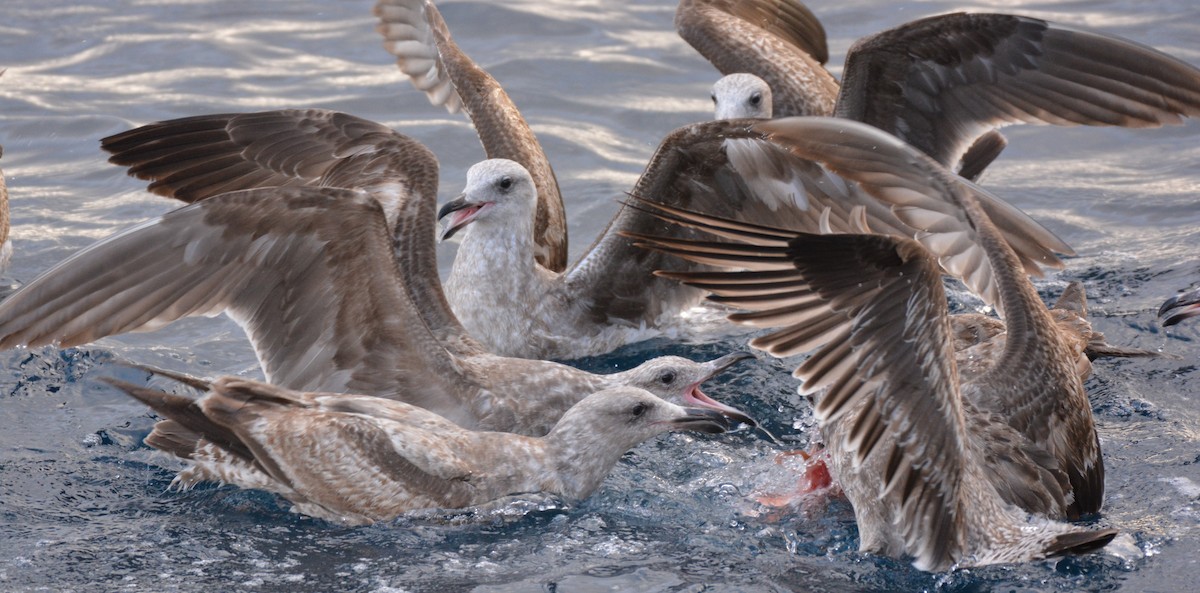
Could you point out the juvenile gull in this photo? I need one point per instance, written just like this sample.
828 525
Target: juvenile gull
336 292
414 32
357 459
945 83
942 466
1180 307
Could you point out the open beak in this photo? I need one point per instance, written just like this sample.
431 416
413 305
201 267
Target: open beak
1184 306
461 212
702 420
695 397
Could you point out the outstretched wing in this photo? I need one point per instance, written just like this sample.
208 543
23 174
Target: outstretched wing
307 272
196 158
743 170
919 207
873 309
941 82
780 41
1035 384
413 31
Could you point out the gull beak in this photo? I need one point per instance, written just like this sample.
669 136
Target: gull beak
463 210
695 397
1180 307
702 420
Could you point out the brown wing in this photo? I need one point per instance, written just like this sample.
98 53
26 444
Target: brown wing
195 158
413 31
780 41
308 273
941 82
873 309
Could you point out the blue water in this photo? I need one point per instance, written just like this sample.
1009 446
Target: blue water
84 506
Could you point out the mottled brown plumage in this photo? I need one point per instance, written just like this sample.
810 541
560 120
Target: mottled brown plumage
359 459
939 467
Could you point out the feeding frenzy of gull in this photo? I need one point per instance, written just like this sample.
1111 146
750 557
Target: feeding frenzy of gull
336 293
360 459
943 467
960 440
518 307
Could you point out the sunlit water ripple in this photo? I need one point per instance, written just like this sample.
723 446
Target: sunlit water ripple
83 504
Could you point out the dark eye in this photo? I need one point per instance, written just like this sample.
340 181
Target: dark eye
755 99
505 182
638 410
667 378
714 98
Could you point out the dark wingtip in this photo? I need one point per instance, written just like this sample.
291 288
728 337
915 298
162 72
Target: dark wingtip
1080 542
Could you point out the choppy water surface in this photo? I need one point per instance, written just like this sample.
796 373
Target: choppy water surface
83 503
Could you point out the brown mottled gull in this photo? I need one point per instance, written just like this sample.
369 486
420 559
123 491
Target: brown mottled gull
414 32
358 459
942 467
944 84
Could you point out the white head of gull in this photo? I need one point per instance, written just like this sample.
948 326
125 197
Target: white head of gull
359 459
741 96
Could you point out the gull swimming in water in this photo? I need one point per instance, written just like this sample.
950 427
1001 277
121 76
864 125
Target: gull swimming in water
336 288
357 459
945 467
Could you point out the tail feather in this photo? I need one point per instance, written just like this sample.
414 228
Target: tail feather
188 414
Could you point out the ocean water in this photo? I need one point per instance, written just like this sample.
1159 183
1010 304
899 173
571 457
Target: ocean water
84 505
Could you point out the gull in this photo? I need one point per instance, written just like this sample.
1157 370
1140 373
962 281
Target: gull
414 32
335 292
942 466
946 83
356 459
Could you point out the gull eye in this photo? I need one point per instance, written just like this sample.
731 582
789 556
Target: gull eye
638 410
505 182
667 378
713 96
756 99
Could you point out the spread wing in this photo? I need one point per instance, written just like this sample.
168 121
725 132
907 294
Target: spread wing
940 226
780 41
413 31
873 309
308 273
196 158
1034 385
744 170
941 82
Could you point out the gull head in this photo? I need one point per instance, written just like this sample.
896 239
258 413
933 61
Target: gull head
678 380
499 193
740 96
